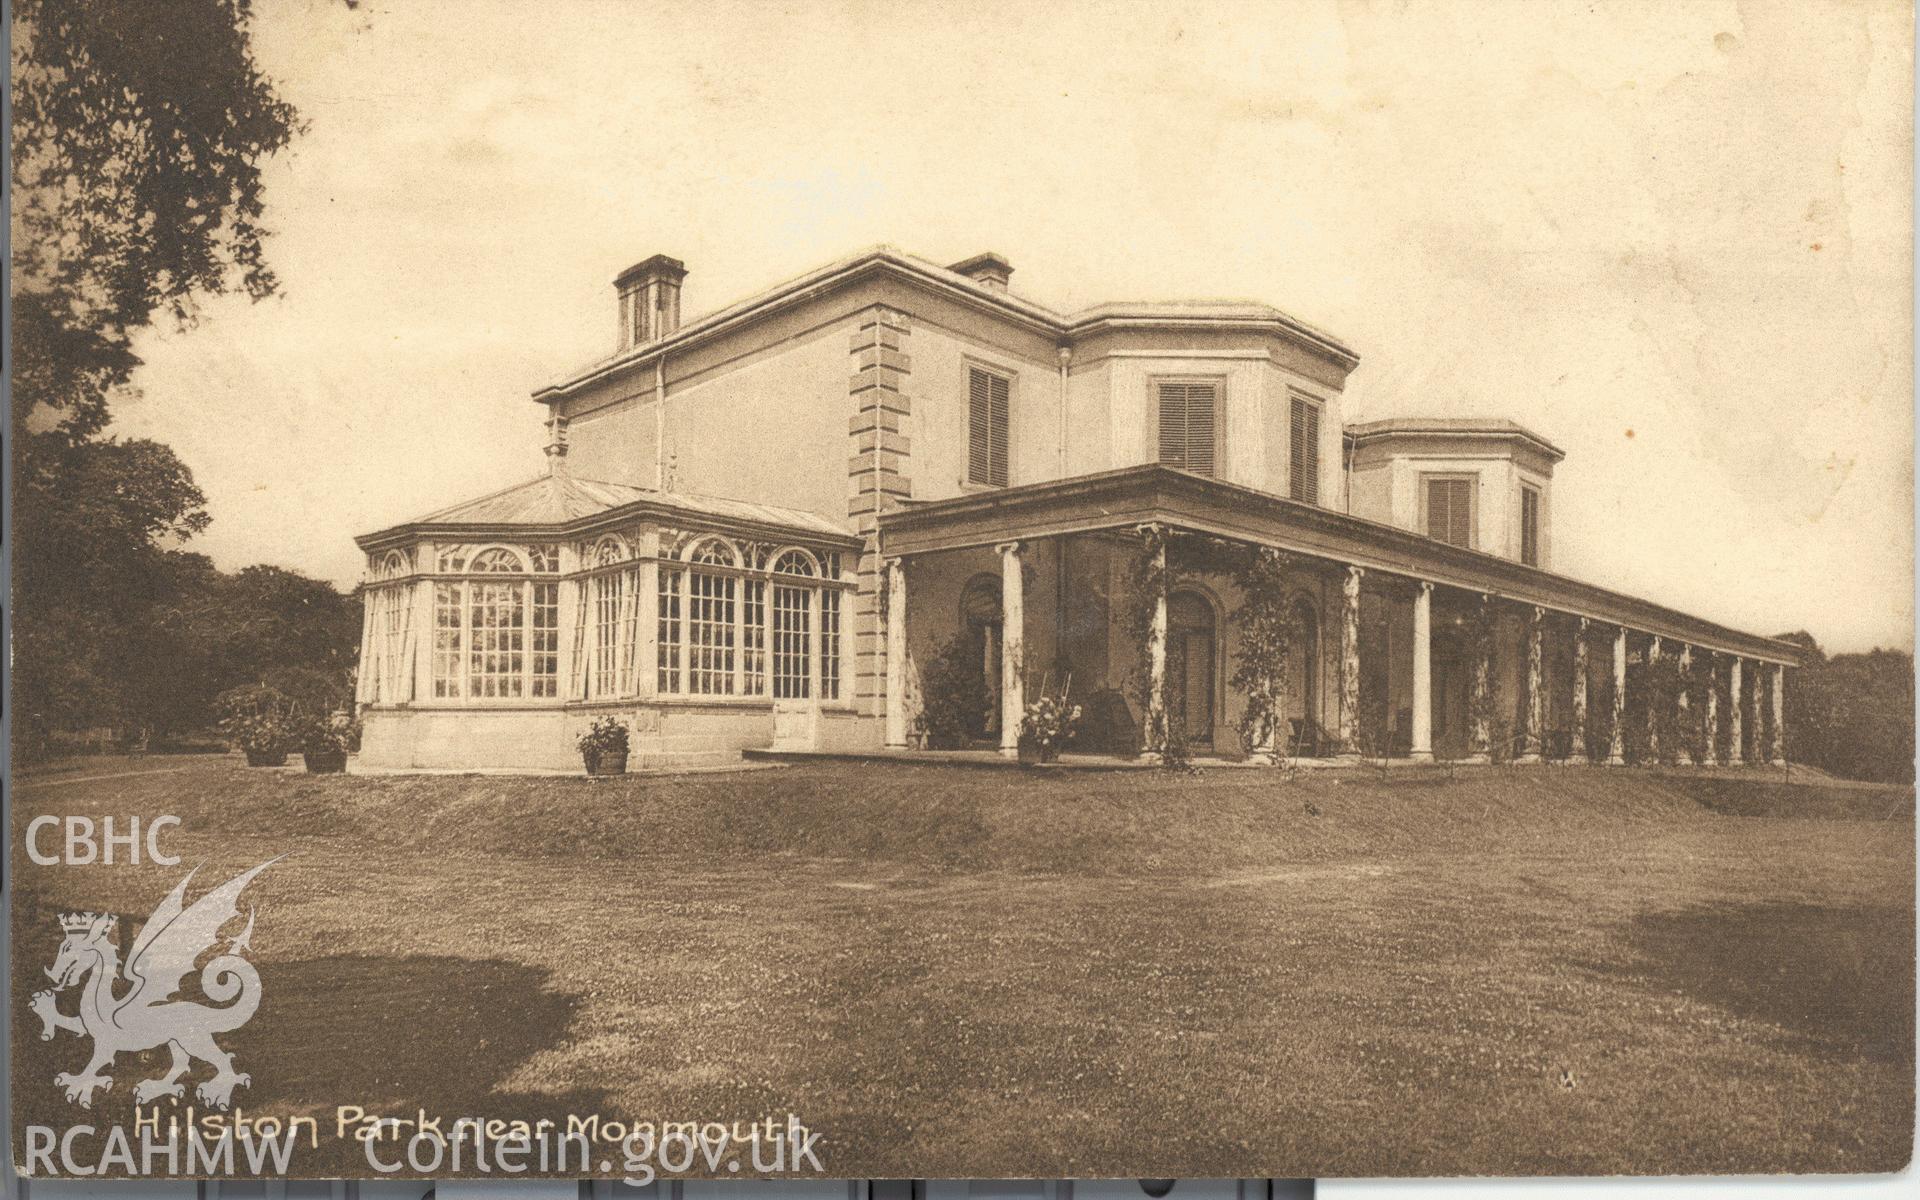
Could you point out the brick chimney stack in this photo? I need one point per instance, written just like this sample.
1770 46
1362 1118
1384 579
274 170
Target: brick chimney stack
989 270
649 300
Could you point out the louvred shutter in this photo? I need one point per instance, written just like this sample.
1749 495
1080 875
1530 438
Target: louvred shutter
1304 452
979 407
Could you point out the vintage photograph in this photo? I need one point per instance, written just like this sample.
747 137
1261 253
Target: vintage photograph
831 591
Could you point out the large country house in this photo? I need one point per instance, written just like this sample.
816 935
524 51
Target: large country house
778 526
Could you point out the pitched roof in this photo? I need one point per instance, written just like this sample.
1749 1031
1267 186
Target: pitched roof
1244 314
560 499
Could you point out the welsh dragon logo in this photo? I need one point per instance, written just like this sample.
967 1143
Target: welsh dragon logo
146 1015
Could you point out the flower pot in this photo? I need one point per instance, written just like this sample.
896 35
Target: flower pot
325 762
606 763
257 757
1038 752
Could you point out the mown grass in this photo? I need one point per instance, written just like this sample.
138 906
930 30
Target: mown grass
957 973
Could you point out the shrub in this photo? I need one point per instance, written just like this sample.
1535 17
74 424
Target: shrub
258 718
606 737
324 735
1050 719
953 697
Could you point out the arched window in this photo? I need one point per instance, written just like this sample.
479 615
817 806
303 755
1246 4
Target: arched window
545 559
794 562
607 551
713 552
391 566
496 636
496 560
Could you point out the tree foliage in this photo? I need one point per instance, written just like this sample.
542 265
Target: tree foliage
1852 714
139 132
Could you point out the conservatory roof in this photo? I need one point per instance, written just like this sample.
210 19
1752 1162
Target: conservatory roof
562 503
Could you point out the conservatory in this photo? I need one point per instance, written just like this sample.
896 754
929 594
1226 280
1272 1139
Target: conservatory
497 631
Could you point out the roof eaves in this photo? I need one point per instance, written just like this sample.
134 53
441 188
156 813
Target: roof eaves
834 275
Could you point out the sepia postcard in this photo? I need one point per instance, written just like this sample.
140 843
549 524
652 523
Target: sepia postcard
923 601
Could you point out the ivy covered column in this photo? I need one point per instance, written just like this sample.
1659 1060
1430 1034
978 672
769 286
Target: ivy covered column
1156 723
1653 701
1777 744
896 596
1581 753
1616 744
1480 704
1683 705
1736 714
1422 744
1013 650
1710 714
1530 715
1350 661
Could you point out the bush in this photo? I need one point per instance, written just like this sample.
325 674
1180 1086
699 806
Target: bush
259 718
953 697
607 737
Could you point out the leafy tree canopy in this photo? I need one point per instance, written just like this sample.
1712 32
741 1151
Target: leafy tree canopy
138 133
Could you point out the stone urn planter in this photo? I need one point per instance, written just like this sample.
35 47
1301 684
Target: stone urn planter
606 762
262 757
1033 753
325 762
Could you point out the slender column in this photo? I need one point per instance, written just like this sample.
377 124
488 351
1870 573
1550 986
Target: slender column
1530 736
1480 705
1777 745
896 654
1683 703
1736 715
1350 662
1617 749
1422 748
646 603
1653 718
1013 617
1580 751
1710 718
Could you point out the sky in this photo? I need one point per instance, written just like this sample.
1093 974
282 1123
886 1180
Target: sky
1674 239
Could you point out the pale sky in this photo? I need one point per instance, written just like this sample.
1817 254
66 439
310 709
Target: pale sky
1674 239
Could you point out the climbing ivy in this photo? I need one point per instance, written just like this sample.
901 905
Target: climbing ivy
1264 622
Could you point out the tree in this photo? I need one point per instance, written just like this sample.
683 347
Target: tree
138 134
1852 714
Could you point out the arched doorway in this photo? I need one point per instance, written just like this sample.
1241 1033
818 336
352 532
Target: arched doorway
1300 713
1191 670
981 627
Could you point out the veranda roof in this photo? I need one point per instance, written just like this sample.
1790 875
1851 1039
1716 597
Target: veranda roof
562 503
1119 501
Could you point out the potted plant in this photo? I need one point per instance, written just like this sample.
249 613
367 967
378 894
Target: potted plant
259 720
603 747
1049 721
325 743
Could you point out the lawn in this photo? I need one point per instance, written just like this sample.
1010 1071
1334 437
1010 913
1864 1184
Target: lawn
955 972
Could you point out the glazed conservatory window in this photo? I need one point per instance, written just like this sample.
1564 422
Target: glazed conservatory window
829 644
753 636
668 635
710 616
495 638
609 593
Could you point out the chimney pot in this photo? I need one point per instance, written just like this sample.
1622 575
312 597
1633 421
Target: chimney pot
989 270
649 299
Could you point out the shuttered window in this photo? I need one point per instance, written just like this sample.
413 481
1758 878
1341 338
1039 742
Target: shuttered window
1303 463
1530 526
1450 511
987 396
1187 425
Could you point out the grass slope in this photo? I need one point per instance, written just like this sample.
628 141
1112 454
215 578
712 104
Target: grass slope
956 972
